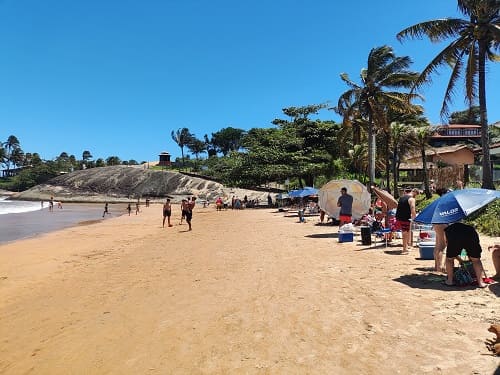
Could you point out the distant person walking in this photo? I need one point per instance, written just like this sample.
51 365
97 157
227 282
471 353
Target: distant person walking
51 204
129 209
345 203
137 208
405 212
167 212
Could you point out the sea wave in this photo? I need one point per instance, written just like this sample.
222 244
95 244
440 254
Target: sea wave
15 207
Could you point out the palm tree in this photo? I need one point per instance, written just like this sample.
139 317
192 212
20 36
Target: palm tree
182 137
422 134
402 139
197 147
372 100
474 40
11 145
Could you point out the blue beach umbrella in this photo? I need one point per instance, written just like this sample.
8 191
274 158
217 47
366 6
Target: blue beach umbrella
456 205
301 193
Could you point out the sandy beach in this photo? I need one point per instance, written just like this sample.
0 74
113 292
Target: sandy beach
245 292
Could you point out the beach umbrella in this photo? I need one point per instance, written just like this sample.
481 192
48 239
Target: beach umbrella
330 193
301 193
385 197
456 205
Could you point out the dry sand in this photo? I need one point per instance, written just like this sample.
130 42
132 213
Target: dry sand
245 292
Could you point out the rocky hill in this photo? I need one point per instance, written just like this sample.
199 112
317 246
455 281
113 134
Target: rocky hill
124 183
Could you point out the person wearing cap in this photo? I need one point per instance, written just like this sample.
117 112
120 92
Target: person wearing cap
345 204
405 212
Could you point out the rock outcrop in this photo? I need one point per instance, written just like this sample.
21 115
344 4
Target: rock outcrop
124 183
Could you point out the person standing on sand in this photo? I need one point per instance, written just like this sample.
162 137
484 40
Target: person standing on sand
189 211
183 210
137 208
129 209
439 259
51 204
345 203
167 212
405 212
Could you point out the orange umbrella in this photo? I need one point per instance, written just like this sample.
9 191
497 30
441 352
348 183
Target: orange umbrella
385 197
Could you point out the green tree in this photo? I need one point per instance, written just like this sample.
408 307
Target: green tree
12 147
402 141
197 147
372 99
475 40
100 163
113 160
470 116
227 140
182 137
422 134
313 141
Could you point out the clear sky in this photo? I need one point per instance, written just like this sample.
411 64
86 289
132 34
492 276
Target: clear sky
116 77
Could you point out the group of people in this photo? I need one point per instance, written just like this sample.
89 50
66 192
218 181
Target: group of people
187 207
454 237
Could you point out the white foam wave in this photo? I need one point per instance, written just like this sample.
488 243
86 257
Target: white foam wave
15 207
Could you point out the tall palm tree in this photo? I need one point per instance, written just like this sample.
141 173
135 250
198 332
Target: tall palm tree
474 41
422 134
182 137
11 145
372 99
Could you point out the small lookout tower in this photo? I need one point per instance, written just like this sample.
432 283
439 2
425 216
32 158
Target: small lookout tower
164 159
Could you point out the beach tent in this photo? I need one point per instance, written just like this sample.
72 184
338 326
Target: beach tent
301 193
330 193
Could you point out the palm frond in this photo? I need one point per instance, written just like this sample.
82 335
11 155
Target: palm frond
436 30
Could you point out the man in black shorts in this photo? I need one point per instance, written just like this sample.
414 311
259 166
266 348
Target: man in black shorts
167 212
462 236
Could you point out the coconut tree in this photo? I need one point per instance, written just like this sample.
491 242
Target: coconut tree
182 137
379 91
474 41
11 145
422 134
402 141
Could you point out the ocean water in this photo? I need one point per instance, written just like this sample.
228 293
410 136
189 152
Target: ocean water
19 220
16 207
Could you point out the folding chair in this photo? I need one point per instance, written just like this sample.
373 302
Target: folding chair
382 233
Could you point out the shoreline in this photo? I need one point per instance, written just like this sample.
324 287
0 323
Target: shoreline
19 226
246 291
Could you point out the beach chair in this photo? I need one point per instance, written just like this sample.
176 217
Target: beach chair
382 234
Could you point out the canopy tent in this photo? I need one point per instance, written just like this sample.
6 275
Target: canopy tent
330 193
301 193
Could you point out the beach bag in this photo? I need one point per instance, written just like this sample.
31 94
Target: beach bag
462 276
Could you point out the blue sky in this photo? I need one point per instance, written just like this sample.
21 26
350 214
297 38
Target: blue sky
116 77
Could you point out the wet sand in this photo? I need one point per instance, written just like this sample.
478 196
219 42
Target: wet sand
30 224
245 292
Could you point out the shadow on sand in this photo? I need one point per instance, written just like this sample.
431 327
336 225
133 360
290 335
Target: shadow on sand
323 235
